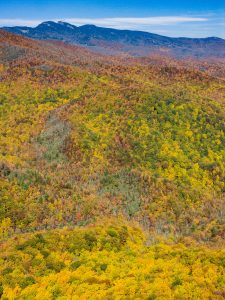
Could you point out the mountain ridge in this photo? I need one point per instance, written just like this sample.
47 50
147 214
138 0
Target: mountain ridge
135 43
63 23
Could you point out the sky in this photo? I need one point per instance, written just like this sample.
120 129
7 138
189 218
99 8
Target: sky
193 18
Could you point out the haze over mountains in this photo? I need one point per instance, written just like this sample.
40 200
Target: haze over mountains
114 41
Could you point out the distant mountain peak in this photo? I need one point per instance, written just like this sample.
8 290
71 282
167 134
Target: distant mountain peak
47 23
214 38
68 25
136 43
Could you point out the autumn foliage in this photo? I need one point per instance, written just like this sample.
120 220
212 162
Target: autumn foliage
137 141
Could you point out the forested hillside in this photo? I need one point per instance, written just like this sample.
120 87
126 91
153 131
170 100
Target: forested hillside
112 174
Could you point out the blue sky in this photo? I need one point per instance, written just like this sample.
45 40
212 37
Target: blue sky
191 18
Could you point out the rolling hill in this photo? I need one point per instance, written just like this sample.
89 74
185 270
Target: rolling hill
111 172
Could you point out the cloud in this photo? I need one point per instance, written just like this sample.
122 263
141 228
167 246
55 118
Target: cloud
112 22
19 22
116 22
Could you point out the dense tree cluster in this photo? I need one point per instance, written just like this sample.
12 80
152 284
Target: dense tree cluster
110 261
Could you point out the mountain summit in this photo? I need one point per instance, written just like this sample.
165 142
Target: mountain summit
114 41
